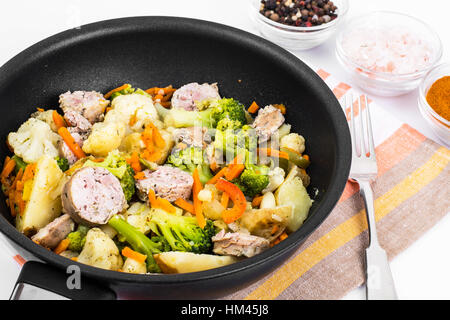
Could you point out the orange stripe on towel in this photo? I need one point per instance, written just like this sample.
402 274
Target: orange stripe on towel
341 89
392 151
19 259
323 74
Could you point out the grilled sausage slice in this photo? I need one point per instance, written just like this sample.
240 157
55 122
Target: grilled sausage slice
89 104
52 234
92 196
167 182
267 122
188 95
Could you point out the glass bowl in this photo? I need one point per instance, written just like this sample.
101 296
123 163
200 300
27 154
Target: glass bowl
439 125
296 38
411 66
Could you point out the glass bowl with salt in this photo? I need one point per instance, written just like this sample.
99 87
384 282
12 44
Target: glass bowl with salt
388 53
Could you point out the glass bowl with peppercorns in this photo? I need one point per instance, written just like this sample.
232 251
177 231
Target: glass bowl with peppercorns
387 53
434 101
297 24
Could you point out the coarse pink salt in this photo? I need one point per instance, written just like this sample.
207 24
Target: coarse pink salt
394 50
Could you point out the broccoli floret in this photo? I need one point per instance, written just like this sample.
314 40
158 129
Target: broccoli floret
229 109
77 238
183 233
163 244
234 142
118 166
253 180
63 163
226 124
189 159
138 241
180 118
127 183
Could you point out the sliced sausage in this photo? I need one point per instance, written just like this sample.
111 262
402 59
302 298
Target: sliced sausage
238 244
167 182
92 196
89 104
79 123
190 94
65 151
267 122
193 136
52 234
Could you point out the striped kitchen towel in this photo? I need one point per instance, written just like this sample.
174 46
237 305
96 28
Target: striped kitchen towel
412 194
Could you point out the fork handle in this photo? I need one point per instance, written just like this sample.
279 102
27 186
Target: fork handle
379 280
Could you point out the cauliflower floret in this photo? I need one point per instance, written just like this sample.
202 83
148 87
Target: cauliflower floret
276 178
34 139
47 117
139 215
134 110
205 195
293 141
105 137
100 251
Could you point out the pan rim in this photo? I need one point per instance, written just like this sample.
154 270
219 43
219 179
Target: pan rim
142 23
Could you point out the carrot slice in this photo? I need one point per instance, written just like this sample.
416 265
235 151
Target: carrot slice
139 176
62 246
257 201
40 109
152 198
136 256
165 205
235 169
280 107
58 119
8 168
134 162
183 204
253 107
109 94
71 143
197 187
151 90
273 153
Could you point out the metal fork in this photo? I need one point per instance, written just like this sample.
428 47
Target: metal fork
379 281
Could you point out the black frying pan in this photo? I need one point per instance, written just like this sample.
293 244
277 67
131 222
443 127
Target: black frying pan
157 51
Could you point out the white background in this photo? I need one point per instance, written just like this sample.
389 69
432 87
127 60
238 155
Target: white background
420 272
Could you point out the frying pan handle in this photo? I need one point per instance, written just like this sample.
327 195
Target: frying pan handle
41 281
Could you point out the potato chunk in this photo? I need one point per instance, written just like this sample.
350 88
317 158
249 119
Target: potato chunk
183 262
44 203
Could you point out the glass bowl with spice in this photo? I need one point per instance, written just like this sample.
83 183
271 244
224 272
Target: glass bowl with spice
434 101
388 53
297 24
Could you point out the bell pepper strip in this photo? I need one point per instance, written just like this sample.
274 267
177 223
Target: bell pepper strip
58 120
273 153
257 201
218 175
196 188
224 200
136 256
183 204
238 198
296 158
109 94
62 246
253 107
71 143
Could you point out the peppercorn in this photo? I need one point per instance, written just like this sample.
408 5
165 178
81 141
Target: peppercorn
303 13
